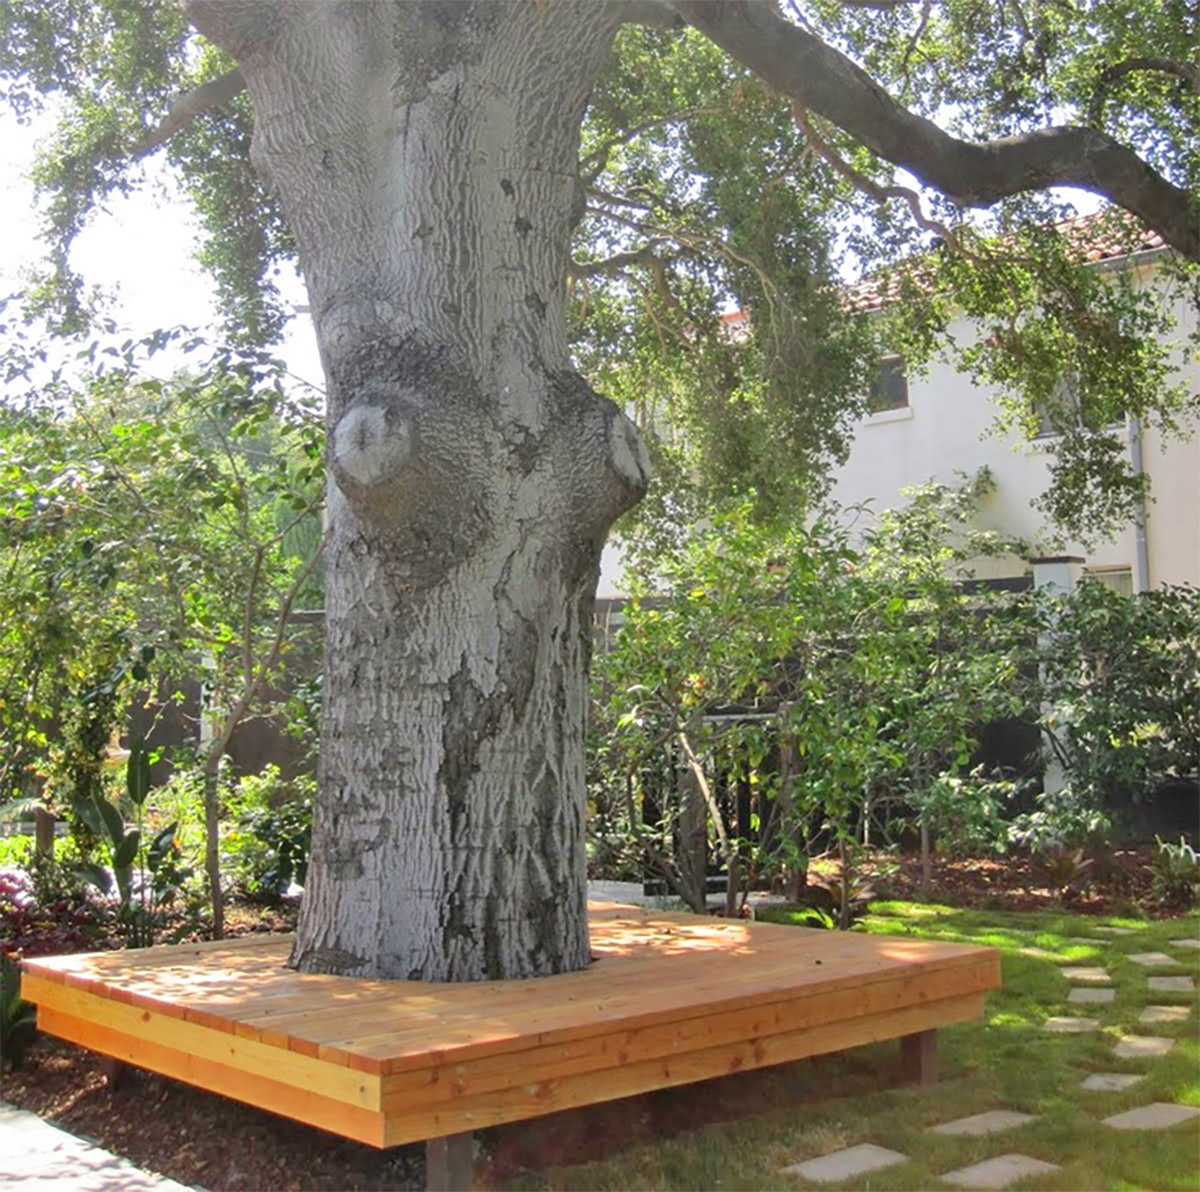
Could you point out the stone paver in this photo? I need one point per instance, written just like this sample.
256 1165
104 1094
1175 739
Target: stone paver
847 1164
34 1152
1165 1014
1117 930
1092 996
1184 943
1159 1115
1153 960
1042 954
991 1122
1110 1082
1071 1026
1087 976
998 1172
1139 1046
1170 985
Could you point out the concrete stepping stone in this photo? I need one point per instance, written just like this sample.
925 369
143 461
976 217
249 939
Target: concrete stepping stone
1153 960
1159 1115
1042 954
1087 976
1110 1082
1171 985
998 1172
1184 943
1165 1014
978 1124
1093 996
846 1165
1117 930
1142 1046
1071 1026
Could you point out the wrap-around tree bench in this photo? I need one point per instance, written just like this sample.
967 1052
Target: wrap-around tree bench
670 999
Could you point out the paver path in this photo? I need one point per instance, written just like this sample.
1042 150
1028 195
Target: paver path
1090 985
36 1155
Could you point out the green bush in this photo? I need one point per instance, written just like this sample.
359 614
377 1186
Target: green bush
269 843
18 1018
1176 874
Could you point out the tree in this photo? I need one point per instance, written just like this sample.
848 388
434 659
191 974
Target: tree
148 532
425 159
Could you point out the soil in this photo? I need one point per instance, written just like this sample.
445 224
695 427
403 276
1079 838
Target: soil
205 1140
1117 882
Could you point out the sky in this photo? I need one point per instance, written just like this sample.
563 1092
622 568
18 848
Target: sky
139 250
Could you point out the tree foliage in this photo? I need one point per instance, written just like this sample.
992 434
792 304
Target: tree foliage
150 531
839 683
713 182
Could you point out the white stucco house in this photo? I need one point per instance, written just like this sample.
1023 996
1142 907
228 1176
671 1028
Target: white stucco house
937 426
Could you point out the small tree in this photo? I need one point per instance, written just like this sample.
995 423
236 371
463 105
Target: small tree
1121 677
836 681
146 534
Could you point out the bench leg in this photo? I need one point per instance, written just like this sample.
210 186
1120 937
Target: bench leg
115 1072
918 1057
449 1163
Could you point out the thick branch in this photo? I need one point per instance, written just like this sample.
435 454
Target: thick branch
976 174
618 263
1186 72
881 194
186 107
1189 72
239 26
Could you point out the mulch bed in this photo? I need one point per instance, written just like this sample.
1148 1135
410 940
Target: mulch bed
201 1139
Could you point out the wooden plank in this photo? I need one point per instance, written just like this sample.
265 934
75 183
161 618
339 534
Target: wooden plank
535 1099
568 1006
673 998
553 1060
244 1056
301 1104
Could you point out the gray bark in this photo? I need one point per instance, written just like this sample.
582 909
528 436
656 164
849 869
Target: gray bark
425 157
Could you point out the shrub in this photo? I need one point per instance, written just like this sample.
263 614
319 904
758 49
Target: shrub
1176 874
18 1018
270 842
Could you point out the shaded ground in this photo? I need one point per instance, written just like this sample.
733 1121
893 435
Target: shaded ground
1117 882
201 1139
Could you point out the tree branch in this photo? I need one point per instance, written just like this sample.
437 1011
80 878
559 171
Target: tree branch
1110 76
186 107
1189 72
976 174
871 188
618 263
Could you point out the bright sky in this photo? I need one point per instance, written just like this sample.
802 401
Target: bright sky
139 250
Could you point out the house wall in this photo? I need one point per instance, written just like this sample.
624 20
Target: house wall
946 430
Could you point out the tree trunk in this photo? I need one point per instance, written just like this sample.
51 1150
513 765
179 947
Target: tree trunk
425 155
691 840
212 841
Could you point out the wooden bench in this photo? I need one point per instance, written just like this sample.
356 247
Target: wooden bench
670 999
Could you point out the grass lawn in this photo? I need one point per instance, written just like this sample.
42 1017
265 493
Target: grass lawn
1004 1061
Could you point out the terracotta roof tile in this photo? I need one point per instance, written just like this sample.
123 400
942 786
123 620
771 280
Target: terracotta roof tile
1104 236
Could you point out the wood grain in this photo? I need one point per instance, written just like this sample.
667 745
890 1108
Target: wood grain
670 999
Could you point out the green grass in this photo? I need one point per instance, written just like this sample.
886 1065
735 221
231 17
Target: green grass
1004 1060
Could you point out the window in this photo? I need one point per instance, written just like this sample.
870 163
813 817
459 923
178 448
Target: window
889 386
1120 579
1065 410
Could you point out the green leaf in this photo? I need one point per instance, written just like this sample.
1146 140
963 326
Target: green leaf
114 825
161 847
126 851
137 772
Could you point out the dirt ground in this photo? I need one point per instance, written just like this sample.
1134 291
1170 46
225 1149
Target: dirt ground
201 1139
